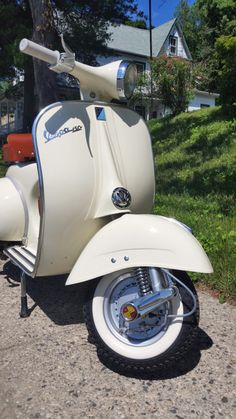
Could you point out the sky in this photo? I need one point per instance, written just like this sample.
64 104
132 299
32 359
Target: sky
162 10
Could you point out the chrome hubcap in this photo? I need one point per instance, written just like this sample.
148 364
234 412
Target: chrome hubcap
142 331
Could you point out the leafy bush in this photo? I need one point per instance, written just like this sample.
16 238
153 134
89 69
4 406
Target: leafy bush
172 82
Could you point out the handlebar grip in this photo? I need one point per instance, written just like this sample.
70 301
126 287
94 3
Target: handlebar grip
45 54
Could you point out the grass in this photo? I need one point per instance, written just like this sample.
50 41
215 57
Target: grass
195 156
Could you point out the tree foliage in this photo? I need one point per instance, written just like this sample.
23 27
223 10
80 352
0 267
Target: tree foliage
16 23
172 82
219 17
204 23
138 23
226 75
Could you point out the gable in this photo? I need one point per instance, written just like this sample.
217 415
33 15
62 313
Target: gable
160 35
180 45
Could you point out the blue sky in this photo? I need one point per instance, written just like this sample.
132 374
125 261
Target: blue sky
162 10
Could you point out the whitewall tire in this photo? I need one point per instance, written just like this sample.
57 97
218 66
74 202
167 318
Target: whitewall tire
149 344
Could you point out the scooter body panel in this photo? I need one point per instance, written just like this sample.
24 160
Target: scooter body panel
11 212
24 176
83 152
140 240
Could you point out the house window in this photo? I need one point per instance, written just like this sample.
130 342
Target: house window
141 67
204 105
140 110
173 45
154 114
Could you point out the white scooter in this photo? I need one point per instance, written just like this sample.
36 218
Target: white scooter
83 208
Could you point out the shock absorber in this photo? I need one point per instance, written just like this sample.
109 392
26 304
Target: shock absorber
143 281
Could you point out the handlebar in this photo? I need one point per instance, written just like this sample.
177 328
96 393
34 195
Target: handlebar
99 80
45 54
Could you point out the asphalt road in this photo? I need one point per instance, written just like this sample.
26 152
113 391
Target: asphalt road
48 369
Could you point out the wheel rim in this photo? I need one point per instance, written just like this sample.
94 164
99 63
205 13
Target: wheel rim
134 345
140 332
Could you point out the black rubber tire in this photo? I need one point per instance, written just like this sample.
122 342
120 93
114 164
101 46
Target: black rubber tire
157 365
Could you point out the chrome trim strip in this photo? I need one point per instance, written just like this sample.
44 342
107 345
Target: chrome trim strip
22 256
16 262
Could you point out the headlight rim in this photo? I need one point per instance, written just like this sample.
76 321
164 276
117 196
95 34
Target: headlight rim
120 83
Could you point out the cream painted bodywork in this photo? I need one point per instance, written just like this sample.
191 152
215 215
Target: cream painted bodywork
80 160
12 220
25 179
79 171
99 83
140 240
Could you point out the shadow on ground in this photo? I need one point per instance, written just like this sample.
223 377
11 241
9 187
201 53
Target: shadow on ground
64 306
178 368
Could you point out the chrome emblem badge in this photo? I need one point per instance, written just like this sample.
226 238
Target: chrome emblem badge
121 198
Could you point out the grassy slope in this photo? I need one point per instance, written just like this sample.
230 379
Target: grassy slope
195 155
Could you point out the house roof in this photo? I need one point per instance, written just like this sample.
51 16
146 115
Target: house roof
206 93
136 41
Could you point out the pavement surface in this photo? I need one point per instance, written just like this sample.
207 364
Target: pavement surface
48 369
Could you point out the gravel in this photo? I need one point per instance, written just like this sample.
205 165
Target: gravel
48 369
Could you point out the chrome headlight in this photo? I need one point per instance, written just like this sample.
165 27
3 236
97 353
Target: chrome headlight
126 79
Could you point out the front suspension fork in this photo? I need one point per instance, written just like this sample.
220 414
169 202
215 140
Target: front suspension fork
153 293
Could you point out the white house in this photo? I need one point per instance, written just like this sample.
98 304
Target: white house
202 99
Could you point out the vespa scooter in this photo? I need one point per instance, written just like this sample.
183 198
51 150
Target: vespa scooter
83 208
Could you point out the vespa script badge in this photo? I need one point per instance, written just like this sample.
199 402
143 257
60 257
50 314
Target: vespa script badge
58 134
121 198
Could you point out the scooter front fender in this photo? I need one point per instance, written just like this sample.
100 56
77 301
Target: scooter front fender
139 240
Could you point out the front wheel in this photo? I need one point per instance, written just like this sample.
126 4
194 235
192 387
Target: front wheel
150 343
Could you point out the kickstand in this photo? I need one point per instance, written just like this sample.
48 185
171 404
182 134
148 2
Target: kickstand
24 312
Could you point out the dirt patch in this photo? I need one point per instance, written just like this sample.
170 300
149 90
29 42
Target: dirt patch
201 286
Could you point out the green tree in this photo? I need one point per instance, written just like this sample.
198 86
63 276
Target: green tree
226 74
219 17
203 23
172 82
138 23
